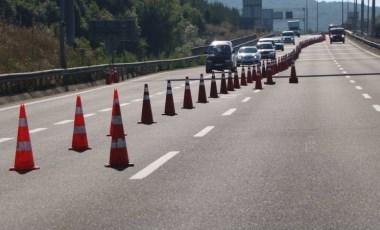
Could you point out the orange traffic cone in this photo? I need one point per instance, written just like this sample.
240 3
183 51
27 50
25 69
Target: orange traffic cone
223 85
249 75
202 98
213 90
230 83
243 79
263 71
258 84
269 77
169 103
187 100
115 78
109 77
293 75
146 114
236 81
24 155
254 75
119 152
79 141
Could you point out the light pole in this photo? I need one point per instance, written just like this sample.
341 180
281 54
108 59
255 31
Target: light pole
317 17
373 18
62 35
342 13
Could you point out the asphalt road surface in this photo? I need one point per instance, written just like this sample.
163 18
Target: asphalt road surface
291 156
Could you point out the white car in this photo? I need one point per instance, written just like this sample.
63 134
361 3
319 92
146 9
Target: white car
248 55
288 37
267 50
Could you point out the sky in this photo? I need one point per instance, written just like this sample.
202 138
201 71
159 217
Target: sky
359 1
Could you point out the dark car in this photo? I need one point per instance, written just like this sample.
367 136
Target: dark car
220 56
337 35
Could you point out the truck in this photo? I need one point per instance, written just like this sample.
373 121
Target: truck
295 27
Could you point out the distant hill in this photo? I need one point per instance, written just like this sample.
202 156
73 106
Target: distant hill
329 12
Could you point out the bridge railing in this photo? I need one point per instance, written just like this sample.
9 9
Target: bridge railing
363 40
15 83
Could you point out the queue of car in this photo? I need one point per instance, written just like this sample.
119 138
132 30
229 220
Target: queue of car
221 55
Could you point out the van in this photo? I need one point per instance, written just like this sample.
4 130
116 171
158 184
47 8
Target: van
288 37
337 35
220 56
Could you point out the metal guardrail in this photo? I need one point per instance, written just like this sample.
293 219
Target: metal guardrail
363 40
16 83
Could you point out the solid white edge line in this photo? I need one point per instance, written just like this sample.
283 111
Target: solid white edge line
153 166
5 139
204 131
366 96
229 112
246 99
376 107
37 130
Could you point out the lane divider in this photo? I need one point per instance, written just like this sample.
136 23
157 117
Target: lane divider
376 107
366 96
37 130
89 115
154 166
204 131
229 112
63 122
5 139
246 99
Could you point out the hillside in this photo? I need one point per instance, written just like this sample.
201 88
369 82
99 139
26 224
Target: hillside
330 12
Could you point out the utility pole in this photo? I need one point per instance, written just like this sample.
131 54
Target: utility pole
62 35
362 18
342 13
317 17
373 18
368 17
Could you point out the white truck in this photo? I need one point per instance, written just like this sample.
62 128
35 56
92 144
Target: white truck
295 27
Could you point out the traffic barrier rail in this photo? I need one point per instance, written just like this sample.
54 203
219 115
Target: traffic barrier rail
363 40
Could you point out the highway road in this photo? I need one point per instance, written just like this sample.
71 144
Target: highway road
290 156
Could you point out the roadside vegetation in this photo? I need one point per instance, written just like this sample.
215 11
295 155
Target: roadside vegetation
168 29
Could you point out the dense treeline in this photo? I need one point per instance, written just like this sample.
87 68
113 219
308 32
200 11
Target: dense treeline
166 27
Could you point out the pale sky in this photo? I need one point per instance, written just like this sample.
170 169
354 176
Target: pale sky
359 1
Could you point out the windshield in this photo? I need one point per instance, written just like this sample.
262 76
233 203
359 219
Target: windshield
248 50
337 31
288 34
219 49
264 46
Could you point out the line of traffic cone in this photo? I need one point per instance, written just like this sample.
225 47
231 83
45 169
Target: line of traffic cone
169 102
202 98
243 79
236 81
118 152
187 100
223 84
213 90
24 160
146 114
293 75
79 141
249 75
230 82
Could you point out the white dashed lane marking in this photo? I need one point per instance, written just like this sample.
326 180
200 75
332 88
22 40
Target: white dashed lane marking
204 131
89 115
124 104
358 87
37 130
246 99
63 122
105 110
153 166
137 100
352 81
229 112
376 107
348 77
5 139
366 96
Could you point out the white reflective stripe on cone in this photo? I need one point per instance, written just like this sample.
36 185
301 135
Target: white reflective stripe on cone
24 146
116 120
116 101
146 97
79 129
120 143
169 92
23 122
187 87
79 110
